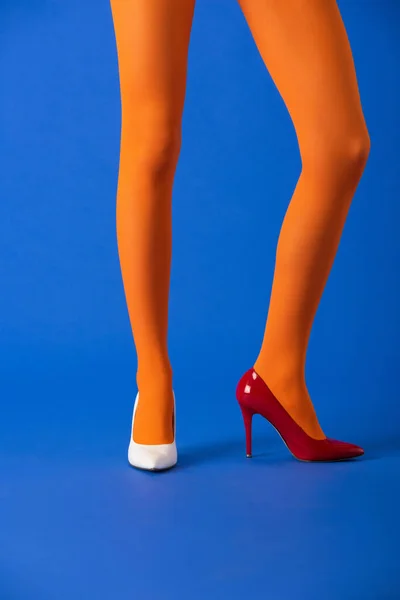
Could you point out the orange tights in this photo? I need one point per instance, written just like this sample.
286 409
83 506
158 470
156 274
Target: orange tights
305 47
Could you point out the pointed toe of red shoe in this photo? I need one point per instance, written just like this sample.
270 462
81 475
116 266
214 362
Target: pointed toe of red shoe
327 450
344 450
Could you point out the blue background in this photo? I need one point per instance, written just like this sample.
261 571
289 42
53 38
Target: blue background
75 520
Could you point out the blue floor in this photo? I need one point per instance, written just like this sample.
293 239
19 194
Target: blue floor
78 522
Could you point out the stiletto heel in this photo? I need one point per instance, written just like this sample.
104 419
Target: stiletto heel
255 397
247 419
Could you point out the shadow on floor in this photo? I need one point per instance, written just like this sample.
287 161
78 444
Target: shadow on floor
227 449
382 447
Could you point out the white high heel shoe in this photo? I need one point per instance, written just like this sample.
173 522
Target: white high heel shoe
156 457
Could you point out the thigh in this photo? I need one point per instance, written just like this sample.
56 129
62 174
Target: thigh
306 50
152 38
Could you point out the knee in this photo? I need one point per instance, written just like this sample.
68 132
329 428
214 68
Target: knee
355 149
342 157
155 142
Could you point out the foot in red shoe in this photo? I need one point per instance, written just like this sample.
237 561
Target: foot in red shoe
255 397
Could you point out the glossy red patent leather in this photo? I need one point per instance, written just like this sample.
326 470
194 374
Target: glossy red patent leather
255 397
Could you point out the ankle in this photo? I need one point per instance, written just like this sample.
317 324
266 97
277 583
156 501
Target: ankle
156 376
290 389
280 376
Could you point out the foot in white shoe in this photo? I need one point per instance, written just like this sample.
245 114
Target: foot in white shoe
152 457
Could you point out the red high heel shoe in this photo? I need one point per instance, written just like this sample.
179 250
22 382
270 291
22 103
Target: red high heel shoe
255 397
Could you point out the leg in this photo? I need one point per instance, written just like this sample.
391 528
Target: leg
152 44
305 48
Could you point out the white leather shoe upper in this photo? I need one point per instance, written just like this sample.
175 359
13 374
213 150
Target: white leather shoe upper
152 457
